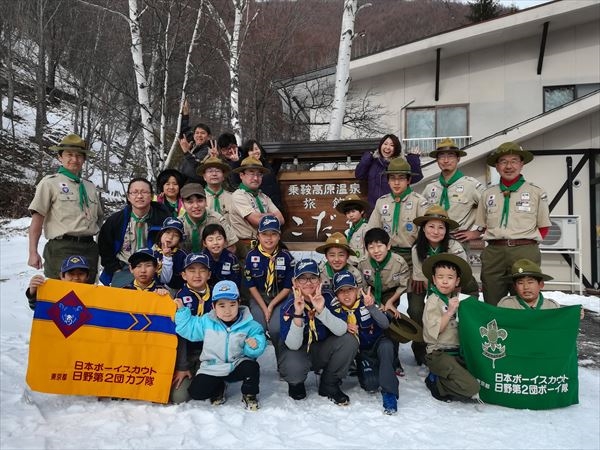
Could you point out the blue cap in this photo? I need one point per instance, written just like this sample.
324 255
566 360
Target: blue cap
74 262
343 279
225 290
143 254
306 266
172 223
196 258
269 223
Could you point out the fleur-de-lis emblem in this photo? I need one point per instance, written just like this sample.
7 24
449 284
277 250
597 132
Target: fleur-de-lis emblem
493 349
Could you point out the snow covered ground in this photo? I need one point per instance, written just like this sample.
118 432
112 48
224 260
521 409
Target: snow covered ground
35 420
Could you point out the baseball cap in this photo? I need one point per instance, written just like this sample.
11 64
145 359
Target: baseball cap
171 223
143 254
343 279
269 223
190 189
74 262
306 266
225 290
196 258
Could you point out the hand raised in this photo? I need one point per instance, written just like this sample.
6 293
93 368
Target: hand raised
368 299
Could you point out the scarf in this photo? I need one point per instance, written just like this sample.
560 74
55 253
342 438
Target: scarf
148 288
312 326
443 297
378 283
176 207
506 191
354 228
202 299
398 204
140 236
84 201
196 247
254 193
350 316
431 252
444 199
270 280
216 195
524 304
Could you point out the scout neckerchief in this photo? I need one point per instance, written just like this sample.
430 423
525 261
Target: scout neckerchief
84 201
506 191
159 250
312 326
195 231
148 288
378 283
270 280
444 199
350 316
354 228
430 252
254 193
398 204
216 195
140 236
202 298
524 304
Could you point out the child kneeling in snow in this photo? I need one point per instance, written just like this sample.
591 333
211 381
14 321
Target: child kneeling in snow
232 342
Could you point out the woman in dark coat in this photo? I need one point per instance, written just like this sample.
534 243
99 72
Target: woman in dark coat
373 165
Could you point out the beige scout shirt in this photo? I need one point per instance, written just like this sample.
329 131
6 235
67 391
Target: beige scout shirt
327 282
464 195
512 303
435 308
528 212
226 201
394 276
57 199
413 205
454 248
243 204
357 243
130 246
211 217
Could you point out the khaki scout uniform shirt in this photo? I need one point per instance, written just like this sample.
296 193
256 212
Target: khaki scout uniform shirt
511 302
226 201
357 243
57 199
211 217
464 195
528 212
454 248
394 276
435 308
129 246
413 205
243 204
327 283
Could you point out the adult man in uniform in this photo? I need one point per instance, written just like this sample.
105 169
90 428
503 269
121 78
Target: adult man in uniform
250 204
515 216
214 170
68 208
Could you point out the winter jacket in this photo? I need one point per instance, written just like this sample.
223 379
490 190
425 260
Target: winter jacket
371 322
372 168
190 162
224 346
112 236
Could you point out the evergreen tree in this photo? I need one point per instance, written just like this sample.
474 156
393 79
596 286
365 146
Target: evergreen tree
482 10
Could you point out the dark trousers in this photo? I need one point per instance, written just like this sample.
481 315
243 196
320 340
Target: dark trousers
205 386
57 250
375 367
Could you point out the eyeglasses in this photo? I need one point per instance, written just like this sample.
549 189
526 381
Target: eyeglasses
509 162
447 156
305 280
136 193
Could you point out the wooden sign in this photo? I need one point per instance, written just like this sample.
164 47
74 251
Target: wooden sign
310 198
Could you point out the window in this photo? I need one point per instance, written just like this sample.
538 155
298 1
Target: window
555 96
437 121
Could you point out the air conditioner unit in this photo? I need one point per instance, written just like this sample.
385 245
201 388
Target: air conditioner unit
563 234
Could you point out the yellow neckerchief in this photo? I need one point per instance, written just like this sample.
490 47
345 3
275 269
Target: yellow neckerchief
158 249
202 298
270 279
312 326
138 287
350 317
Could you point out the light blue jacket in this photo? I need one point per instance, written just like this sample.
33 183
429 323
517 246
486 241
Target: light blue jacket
224 347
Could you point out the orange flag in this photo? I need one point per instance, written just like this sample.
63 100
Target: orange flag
102 341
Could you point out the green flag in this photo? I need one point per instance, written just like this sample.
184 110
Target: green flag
522 359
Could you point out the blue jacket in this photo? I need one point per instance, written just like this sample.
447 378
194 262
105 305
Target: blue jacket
178 258
255 274
227 267
372 168
224 347
371 322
